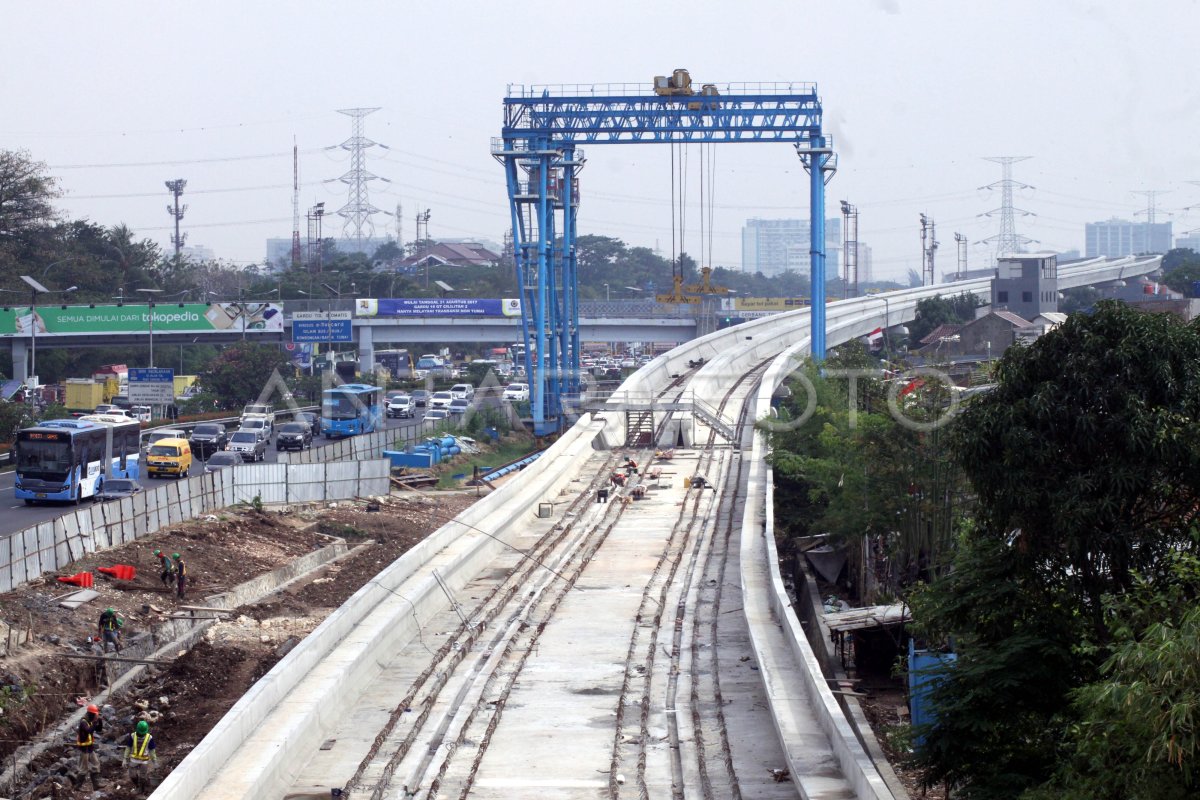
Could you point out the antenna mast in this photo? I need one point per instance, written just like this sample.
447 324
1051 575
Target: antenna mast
177 211
295 205
850 248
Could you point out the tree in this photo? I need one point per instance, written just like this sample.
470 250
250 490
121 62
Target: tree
935 311
14 417
1084 463
1181 269
241 371
1136 736
875 478
26 192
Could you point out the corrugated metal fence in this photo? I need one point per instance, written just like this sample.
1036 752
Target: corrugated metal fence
368 445
51 545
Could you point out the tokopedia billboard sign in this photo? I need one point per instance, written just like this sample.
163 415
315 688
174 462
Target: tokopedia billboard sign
168 318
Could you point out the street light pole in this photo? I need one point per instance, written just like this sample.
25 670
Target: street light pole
36 287
887 321
150 293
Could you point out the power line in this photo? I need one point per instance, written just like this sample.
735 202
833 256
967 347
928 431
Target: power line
178 162
131 195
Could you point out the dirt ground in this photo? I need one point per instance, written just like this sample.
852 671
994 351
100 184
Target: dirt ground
183 700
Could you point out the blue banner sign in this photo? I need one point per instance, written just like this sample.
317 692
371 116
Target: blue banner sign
436 307
151 386
322 329
151 375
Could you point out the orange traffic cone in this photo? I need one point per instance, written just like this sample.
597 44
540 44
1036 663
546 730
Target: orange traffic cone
122 572
81 579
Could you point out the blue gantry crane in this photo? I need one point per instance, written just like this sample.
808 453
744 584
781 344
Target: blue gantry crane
538 147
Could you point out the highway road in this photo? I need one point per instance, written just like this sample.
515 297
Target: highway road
16 516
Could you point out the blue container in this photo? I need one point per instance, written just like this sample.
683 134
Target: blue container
925 670
414 459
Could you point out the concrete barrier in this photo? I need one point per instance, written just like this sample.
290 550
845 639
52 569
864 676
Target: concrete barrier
295 701
49 546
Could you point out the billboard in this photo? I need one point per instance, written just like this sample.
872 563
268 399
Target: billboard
117 319
436 307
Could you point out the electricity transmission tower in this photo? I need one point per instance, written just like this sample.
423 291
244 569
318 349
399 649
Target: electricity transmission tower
1008 241
1150 211
358 209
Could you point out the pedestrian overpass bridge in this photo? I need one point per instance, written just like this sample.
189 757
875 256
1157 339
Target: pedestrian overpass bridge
546 644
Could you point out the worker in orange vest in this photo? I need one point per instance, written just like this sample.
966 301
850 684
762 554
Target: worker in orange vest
85 739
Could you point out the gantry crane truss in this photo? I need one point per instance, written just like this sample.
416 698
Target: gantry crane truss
538 147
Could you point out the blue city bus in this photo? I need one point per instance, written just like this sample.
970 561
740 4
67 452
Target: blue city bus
350 409
63 459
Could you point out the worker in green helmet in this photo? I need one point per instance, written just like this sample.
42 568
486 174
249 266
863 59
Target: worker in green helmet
110 629
139 756
166 568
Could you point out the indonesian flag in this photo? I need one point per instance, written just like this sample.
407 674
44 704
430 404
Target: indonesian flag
875 337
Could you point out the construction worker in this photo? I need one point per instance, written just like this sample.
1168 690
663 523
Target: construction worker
139 755
166 567
89 728
631 467
180 576
110 629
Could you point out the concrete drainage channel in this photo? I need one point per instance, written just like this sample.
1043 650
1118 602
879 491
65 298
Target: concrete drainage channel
168 640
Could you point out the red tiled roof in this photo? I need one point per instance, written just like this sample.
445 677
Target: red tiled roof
940 331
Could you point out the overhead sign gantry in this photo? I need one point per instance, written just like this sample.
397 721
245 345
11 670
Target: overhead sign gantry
538 146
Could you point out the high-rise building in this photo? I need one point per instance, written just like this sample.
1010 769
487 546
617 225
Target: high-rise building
1189 242
1119 237
774 246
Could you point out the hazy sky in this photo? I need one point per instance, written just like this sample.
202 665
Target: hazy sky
1102 96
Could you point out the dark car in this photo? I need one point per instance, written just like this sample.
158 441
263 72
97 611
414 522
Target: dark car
116 488
294 436
251 444
313 421
420 398
208 438
223 459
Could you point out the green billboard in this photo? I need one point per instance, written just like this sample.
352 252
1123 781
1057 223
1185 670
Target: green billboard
118 319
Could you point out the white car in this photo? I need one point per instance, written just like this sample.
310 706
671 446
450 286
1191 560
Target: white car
516 392
462 391
437 413
440 400
259 425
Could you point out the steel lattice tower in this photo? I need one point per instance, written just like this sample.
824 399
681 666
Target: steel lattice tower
358 208
1007 241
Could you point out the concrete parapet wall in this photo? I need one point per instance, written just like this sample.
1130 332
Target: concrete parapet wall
759 520
296 701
